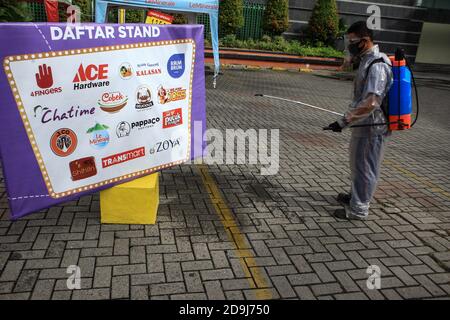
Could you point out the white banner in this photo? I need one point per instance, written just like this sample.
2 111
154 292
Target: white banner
100 115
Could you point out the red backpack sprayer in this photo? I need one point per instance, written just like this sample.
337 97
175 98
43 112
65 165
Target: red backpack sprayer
396 106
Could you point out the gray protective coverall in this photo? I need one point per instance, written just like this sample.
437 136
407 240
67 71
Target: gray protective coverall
367 143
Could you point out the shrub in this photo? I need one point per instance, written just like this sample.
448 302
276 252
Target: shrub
276 17
231 16
85 8
324 22
279 44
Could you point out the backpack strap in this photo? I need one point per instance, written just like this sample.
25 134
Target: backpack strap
379 60
384 104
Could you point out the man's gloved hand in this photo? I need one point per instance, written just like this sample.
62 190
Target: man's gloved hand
335 127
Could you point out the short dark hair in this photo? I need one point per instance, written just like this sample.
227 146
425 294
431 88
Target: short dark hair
360 29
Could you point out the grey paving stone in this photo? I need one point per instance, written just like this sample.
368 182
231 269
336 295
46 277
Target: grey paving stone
139 293
237 284
167 288
137 254
193 281
43 289
234 295
106 239
91 294
304 293
141 279
189 296
201 251
173 271
15 296
214 290
102 277
6 287
112 261
413 292
216 274
120 287
121 247
196 265
177 257
61 295
283 287
42 263
129 269
155 263
322 272
351 296
26 281
220 259
12 270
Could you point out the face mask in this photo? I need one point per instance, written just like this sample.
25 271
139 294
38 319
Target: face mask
354 48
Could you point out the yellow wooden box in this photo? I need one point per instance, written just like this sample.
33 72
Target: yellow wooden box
134 202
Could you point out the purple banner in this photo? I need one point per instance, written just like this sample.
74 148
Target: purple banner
89 106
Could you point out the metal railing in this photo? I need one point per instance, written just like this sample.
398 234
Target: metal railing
252 28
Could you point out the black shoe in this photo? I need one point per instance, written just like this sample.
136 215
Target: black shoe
344 198
340 214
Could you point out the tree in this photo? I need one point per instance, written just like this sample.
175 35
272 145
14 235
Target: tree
276 17
85 9
231 16
324 22
14 11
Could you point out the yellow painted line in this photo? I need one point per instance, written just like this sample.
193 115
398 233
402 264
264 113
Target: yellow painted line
425 181
247 261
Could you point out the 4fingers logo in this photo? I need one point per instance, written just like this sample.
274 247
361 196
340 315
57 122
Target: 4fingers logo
44 78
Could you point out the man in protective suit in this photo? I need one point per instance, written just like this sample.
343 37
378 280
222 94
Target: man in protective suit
371 84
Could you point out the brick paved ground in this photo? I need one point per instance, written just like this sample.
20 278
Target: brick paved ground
295 247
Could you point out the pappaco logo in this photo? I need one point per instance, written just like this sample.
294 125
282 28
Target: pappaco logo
44 80
176 65
112 102
172 94
99 136
147 69
165 145
143 98
123 157
63 142
125 71
91 76
123 129
143 124
172 118
83 168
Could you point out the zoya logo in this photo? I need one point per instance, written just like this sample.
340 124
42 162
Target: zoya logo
44 80
165 145
91 76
